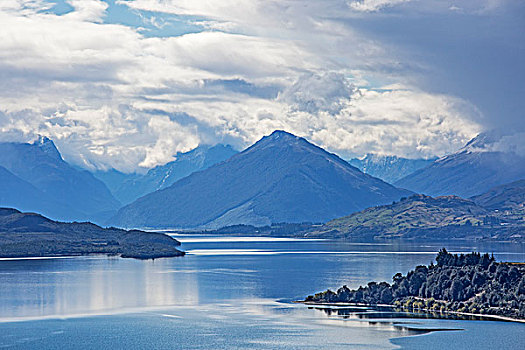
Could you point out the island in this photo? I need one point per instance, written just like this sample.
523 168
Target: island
33 235
464 284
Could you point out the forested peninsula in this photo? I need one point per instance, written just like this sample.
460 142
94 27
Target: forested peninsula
33 235
467 283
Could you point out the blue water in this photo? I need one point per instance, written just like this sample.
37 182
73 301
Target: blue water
230 293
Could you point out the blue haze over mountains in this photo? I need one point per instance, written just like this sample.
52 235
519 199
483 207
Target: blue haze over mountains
281 178
490 159
128 187
36 178
389 168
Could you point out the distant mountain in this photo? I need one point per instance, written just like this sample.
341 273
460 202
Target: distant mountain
505 197
21 194
498 214
50 185
115 180
128 187
424 217
483 163
29 234
389 168
281 178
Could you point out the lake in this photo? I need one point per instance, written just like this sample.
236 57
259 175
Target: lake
232 293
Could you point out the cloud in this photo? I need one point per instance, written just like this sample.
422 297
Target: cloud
314 93
87 10
474 7
499 140
351 121
511 144
374 5
112 97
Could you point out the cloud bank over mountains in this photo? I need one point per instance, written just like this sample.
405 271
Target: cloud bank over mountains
114 93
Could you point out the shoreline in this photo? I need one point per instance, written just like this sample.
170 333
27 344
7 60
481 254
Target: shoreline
179 253
306 236
427 311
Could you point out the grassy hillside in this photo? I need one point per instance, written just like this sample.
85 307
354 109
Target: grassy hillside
421 216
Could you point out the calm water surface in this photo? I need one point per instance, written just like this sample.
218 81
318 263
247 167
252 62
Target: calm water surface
231 292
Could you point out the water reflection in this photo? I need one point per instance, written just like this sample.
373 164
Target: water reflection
368 313
228 288
90 285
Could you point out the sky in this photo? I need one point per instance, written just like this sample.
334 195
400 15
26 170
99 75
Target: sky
127 84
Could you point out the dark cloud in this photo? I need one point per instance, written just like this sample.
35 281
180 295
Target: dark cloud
473 55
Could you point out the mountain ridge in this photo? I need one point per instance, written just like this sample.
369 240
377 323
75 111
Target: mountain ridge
64 192
509 196
480 165
388 168
129 187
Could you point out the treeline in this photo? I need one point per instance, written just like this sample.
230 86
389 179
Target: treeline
471 283
444 258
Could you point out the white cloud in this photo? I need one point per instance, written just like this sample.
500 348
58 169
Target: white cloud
499 140
374 5
87 10
314 93
110 96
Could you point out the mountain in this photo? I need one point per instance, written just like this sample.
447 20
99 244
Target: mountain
21 194
425 217
114 179
388 168
29 234
50 185
128 187
485 162
505 197
281 178
498 214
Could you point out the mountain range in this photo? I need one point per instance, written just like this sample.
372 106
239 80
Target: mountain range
36 178
278 182
482 164
281 178
128 187
389 168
